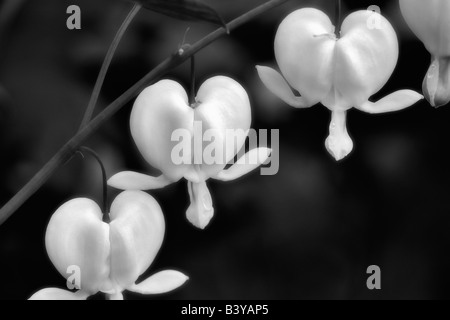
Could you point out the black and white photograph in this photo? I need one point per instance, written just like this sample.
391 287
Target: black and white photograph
224 158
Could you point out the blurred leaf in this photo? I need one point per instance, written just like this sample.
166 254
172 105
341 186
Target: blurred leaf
184 10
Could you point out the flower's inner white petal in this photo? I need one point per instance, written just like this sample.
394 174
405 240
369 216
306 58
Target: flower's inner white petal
201 210
339 144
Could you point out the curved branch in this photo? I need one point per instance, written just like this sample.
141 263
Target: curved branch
66 152
106 63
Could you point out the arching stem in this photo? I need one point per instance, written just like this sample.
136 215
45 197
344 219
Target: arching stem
193 84
338 17
106 63
105 207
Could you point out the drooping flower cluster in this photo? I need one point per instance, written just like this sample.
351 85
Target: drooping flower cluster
109 257
161 110
341 73
430 21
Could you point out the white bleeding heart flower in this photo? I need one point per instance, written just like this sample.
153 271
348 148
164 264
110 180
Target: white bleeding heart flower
221 105
430 21
341 73
110 257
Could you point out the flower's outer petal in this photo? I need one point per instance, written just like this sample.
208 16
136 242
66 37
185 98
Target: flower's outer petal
366 56
59 294
128 180
77 238
161 282
430 21
275 82
436 85
201 210
137 232
224 111
304 50
339 144
246 164
159 112
396 101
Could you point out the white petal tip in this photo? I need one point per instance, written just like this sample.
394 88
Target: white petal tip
201 209
201 219
161 282
128 180
246 164
339 148
396 101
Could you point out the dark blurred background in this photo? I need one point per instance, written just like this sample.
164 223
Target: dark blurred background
309 232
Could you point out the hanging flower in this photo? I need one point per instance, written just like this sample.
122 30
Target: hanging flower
162 110
341 73
430 21
110 257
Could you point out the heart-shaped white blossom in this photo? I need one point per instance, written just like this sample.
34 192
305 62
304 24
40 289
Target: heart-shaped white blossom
341 73
110 257
162 110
